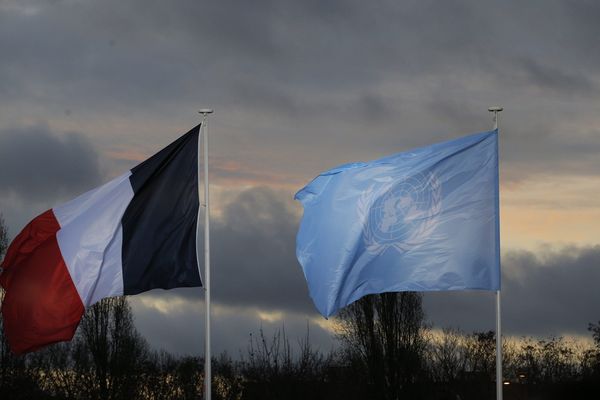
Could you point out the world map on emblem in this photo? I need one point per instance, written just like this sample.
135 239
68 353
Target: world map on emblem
402 214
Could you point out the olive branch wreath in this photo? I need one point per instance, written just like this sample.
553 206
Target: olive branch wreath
367 199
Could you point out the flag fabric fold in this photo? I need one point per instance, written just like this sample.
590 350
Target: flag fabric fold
130 235
421 220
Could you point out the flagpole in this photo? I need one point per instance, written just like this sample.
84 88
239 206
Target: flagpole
495 110
207 353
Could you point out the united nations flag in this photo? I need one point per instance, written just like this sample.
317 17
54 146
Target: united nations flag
422 220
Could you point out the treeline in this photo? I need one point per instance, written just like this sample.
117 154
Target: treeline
386 352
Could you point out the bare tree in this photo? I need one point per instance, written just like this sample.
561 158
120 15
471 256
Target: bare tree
383 336
111 349
3 237
273 370
5 356
592 356
7 360
448 356
13 371
481 355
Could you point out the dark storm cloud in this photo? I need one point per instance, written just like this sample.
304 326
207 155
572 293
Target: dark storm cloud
254 250
545 294
313 66
263 97
548 77
374 108
39 165
553 291
130 47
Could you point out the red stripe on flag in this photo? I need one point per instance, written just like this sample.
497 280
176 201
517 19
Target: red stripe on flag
41 305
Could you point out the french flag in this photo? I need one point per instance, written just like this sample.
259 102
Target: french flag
133 234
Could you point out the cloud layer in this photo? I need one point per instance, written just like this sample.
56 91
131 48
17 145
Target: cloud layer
334 81
37 164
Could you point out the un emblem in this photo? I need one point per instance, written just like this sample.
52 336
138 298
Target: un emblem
402 214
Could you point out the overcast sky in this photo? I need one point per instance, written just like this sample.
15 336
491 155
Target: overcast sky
88 89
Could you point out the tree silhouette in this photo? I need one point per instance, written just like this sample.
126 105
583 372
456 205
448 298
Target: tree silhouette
7 362
384 342
3 237
593 355
13 371
109 346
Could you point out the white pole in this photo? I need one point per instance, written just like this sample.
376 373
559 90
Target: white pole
207 353
499 381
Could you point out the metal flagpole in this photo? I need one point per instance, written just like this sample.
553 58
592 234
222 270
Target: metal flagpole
495 110
207 353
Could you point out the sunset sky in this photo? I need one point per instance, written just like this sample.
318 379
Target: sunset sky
88 89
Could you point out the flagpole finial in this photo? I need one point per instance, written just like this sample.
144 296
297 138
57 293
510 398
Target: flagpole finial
205 111
495 110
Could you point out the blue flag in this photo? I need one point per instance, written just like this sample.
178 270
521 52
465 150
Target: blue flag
422 220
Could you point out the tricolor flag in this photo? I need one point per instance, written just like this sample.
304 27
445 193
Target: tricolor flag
133 234
422 220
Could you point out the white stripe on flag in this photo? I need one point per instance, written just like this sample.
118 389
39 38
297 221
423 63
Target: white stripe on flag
91 237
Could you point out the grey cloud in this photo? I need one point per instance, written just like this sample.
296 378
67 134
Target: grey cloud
553 291
37 164
254 254
549 77
322 70
457 113
582 17
374 108
127 48
285 42
265 97
545 294
181 330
